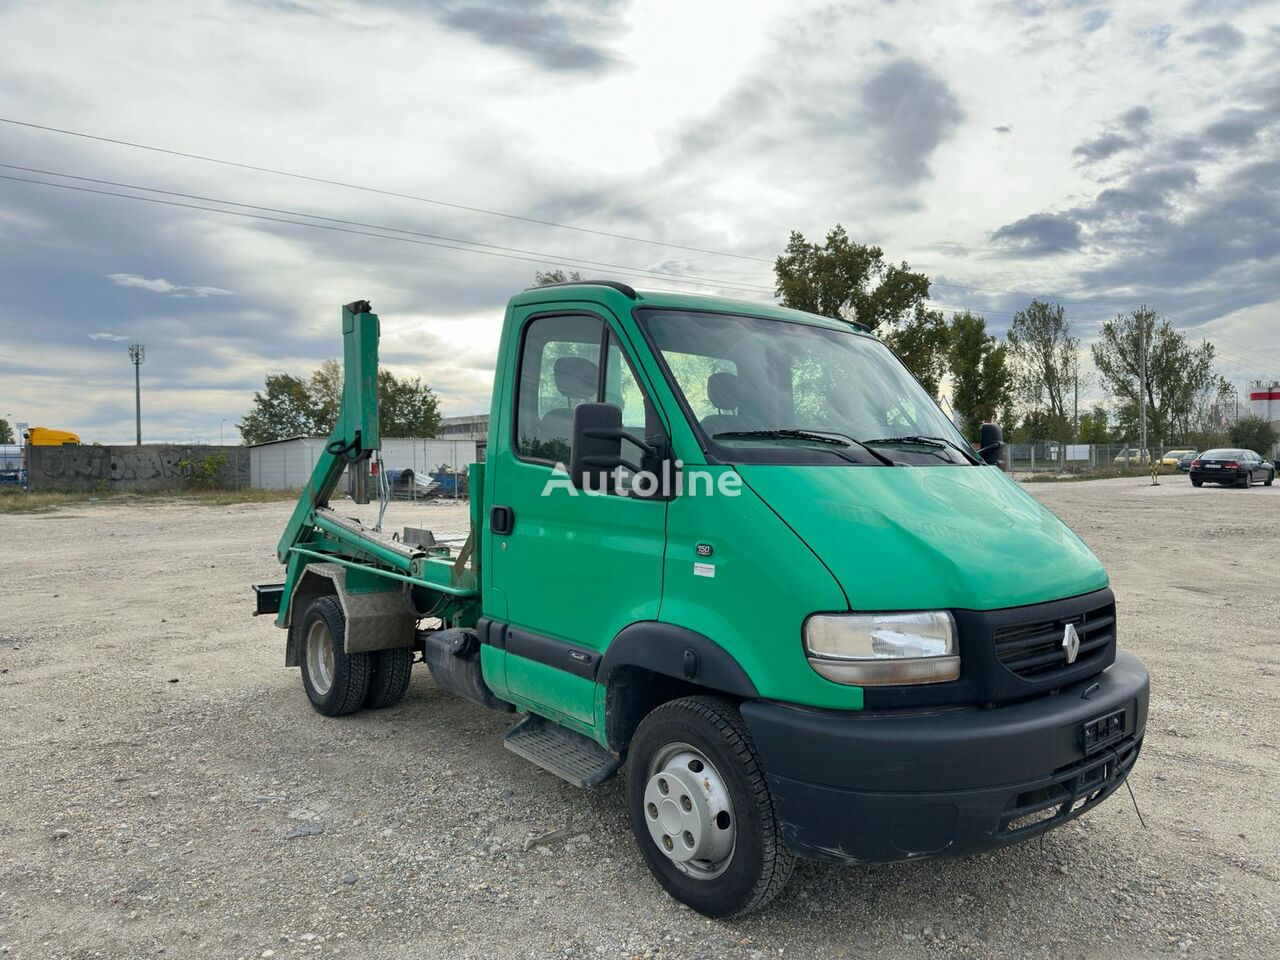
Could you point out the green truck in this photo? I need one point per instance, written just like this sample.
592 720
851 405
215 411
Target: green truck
740 550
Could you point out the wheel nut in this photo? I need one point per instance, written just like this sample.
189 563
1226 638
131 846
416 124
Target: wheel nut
666 842
662 785
686 803
688 839
653 811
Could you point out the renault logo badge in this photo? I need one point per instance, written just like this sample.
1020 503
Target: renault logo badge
1071 642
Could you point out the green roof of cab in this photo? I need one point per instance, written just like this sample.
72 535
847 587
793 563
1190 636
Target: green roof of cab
672 300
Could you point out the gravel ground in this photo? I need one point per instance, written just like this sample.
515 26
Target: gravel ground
165 789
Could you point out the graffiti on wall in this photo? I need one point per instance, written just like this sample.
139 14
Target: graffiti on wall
149 467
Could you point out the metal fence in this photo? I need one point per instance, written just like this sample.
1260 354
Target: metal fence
13 468
1054 456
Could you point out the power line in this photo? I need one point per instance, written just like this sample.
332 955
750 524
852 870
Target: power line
540 259
511 251
378 226
1219 336
386 193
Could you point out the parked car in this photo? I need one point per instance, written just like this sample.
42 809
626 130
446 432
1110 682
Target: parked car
1171 457
1184 462
1230 466
1132 457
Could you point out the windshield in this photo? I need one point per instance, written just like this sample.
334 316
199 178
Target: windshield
765 390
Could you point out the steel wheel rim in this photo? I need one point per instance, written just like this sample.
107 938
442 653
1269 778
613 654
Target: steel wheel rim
320 657
689 813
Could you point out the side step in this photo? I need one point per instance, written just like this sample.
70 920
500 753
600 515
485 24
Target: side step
559 750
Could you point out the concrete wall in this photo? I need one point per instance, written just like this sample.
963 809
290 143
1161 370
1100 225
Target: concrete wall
116 469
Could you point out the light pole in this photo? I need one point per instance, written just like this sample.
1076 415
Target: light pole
221 442
137 354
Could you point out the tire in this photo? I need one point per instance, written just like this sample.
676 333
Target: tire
1245 481
669 744
338 682
389 675
1197 483
1270 479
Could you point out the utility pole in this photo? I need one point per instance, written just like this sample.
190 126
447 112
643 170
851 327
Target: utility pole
1075 403
1142 389
137 354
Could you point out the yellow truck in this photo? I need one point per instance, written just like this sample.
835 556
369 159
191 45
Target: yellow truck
45 437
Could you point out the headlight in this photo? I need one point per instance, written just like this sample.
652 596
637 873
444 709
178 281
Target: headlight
883 648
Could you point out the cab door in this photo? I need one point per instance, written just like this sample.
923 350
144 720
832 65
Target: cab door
574 568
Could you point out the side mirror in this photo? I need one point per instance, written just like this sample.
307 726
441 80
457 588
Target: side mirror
597 443
991 443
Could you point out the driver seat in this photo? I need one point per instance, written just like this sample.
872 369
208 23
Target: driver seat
576 380
725 392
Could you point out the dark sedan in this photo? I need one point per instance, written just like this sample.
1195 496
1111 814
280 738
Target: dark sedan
1240 468
1185 461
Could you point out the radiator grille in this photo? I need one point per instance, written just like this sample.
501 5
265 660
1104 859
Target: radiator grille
1034 650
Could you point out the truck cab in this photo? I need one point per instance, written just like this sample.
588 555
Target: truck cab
740 550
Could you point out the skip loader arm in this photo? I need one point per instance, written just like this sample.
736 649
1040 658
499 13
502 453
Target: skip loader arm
371 561
355 434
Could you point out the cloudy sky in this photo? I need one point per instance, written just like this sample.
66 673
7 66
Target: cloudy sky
1103 154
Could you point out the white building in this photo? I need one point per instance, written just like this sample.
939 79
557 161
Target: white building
1264 402
288 464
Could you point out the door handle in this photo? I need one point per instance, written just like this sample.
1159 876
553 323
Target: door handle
502 520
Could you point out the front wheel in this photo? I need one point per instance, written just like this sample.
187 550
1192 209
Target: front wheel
1270 479
701 811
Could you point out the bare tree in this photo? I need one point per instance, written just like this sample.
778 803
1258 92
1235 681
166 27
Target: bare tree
1043 354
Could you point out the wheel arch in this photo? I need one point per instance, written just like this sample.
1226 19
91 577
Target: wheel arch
374 621
650 663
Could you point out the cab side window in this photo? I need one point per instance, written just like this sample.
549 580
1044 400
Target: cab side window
638 415
559 369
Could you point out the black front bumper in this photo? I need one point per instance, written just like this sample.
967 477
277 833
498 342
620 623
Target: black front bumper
910 786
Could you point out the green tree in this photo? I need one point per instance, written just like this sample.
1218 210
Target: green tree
293 407
921 342
844 279
1044 356
406 408
1254 433
284 409
325 388
1095 425
981 381
6 432
1181 381
840 278
542 278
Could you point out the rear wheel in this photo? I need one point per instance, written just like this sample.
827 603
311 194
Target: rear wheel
1197 483
336 681
389 677
701 811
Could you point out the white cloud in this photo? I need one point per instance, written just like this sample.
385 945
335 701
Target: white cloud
114 338
160 285
721 125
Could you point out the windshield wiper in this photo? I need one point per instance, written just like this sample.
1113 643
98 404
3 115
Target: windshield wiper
819 436
939 442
